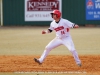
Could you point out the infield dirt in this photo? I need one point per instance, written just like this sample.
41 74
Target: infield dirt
53 63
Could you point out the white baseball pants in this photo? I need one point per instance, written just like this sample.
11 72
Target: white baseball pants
67 41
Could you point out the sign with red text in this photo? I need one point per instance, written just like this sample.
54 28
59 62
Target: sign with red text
39 10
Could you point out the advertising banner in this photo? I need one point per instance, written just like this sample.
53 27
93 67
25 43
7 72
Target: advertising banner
92 9
39 10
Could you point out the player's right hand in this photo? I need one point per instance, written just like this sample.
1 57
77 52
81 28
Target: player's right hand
43 32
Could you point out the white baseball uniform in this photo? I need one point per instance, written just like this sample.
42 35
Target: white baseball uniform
63 37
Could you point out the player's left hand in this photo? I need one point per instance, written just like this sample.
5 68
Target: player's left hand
76 26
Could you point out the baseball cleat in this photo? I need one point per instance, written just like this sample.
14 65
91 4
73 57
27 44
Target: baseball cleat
79 64
36 60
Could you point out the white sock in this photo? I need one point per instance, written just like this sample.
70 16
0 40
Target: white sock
44 55
75 55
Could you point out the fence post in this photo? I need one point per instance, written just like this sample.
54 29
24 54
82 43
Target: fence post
1 12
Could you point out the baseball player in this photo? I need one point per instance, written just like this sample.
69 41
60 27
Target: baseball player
61 27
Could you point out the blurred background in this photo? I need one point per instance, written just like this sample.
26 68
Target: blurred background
36 12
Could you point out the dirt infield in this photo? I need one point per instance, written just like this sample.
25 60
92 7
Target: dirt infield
53 63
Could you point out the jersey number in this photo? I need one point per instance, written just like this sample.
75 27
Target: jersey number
62 32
